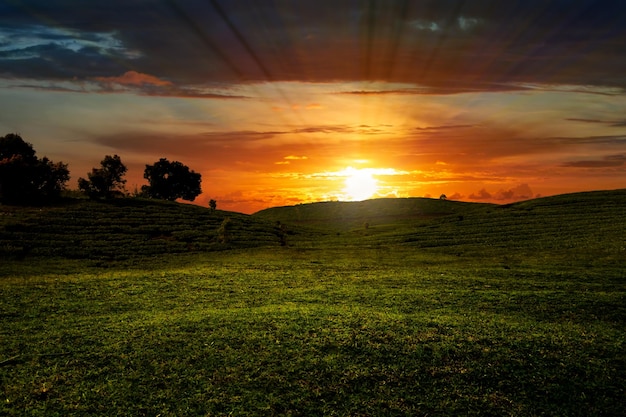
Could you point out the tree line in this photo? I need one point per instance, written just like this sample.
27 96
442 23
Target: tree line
27 179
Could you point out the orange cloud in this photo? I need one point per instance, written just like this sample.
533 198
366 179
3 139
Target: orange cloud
519 192
134 78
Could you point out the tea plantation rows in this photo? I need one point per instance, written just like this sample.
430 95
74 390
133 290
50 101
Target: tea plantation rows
588 224
584 222
566 225
126 228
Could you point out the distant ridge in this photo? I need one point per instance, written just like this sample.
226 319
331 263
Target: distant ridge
346 214
384 210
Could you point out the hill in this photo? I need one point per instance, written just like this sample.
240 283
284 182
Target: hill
462 309
589 224
126 228
346 215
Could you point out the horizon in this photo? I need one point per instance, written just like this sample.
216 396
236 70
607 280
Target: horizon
285 103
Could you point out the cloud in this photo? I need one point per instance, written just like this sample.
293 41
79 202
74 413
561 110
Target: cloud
595 121
150 85
520 192
445 127
481 195
134 78
517 193
611 123
344 129
383 92
144 89
287 159
447 88
606 162
442 47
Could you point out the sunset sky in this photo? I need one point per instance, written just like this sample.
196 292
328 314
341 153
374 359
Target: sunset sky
284 102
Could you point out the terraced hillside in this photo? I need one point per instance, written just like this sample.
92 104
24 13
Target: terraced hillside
590 224
469 310
343 215
126 228
583 222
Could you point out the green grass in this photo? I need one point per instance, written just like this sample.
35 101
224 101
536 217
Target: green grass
124 229
410 317
346 215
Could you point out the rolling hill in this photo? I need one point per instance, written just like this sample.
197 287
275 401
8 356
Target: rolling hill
589 223
346 215
138 307
126 228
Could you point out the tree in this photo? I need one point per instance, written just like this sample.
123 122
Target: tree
12 145
106 181
212 204
24 178
52 177
443 197
171 180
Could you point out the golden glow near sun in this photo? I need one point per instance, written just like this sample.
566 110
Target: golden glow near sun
360 184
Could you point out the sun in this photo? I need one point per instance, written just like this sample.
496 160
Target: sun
360 184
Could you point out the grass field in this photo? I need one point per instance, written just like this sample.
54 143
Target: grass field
434 308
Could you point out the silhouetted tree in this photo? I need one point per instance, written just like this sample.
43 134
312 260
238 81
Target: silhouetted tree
443 197
171 180
106 181
212 204
24 178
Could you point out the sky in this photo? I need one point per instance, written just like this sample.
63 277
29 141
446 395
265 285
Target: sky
280 102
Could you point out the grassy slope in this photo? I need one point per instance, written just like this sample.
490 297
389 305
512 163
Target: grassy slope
124 229
346 215
589 224
515 310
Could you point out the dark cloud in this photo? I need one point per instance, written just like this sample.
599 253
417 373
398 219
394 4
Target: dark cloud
451 87
519 192
226 145
446 127
143 89
595 121
194 145
481 195
606 162
446 46
611 123
56 62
